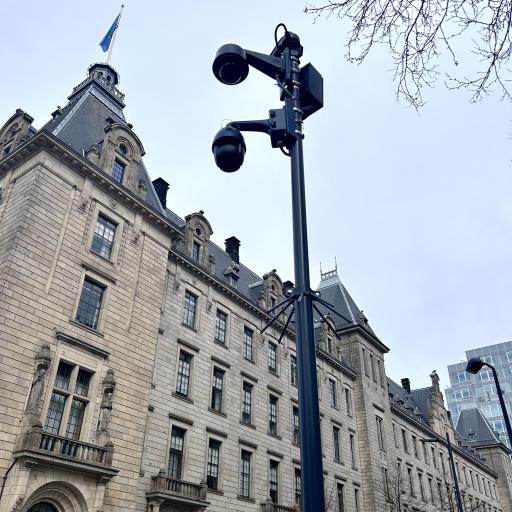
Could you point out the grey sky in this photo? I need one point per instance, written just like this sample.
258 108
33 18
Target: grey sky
416 208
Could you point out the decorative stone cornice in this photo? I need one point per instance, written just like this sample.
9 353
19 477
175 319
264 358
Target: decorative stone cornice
45 141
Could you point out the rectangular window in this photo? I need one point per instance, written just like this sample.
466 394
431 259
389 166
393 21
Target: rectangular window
352 451
183 381
486 375
293 370
189 310
340 494
487 359
296 425
103 239
68 377
462 376
380 433
329 344
411 483
272 357
298 487
175 469
332 393
415 446
272 414
89 306
348 402
196 251
372 368
245 474
404 441
248 338
356 500
118 171
220 326
212 476
508 355
247 403
273 483
336 443
434 460
365 363
422 490
385 481
217 383
431 490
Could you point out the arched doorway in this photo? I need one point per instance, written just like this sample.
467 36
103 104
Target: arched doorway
43 506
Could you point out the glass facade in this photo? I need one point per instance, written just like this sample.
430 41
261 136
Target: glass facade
469 391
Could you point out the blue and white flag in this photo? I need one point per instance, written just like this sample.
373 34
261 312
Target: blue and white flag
105 42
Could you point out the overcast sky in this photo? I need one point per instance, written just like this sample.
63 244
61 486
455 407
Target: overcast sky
416 207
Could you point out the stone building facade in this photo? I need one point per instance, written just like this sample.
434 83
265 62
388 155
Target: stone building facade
133 371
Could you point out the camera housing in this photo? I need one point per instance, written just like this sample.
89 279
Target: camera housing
230 64
229 149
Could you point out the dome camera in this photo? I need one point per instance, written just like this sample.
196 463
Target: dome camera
229 149
230 64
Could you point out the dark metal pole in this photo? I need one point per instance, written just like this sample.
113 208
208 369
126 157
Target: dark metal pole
502 402
309 411
454 474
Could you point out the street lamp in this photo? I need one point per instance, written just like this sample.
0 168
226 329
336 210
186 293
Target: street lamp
452 466
301 89
474 365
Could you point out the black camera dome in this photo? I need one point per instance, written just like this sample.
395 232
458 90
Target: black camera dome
229 149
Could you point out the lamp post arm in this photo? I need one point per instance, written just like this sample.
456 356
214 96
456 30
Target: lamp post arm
261 125
502 402
454 474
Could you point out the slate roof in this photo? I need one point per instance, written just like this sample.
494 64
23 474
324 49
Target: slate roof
476 429
82 122
399 397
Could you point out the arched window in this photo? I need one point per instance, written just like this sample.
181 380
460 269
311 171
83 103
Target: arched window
43 506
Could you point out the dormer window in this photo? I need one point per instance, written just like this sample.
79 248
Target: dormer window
123 149
7 150
232 280
118 170
196 251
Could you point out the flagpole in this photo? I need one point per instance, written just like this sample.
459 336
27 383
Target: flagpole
114 37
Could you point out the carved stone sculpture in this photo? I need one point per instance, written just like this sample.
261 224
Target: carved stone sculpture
108 384
32 416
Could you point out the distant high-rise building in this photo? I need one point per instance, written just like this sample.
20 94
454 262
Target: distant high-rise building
468 391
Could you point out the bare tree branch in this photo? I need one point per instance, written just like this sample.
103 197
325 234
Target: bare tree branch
417 32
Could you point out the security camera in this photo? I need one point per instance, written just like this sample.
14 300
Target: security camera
230 65
229 149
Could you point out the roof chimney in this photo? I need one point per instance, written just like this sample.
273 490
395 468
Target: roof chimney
406 384
233 248
161 188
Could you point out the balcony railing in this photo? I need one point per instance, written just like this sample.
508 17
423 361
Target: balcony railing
45 448
163 483
76 449
269 506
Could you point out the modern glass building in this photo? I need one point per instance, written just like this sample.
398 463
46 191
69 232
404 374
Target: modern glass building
468 391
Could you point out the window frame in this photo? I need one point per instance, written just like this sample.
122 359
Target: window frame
273 414
219 330
218 487
250 474
215 390
118 162
248 333
244 403
177 392
90 275
187 311
70 395
273 464
332 391
183 451
108 220
272 357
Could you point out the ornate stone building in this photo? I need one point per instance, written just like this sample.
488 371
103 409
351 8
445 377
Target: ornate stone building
133 375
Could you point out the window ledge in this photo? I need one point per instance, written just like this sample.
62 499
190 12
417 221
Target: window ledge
245 498
182 397
249 360
85 327
220 413
277 436
102 258
192 328
250 425
223 345
215 491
